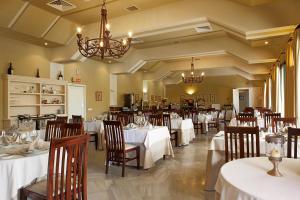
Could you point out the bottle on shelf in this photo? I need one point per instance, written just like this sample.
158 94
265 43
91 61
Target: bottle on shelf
60 76
38 73
10 69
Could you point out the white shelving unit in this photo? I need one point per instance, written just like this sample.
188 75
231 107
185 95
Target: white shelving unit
33 96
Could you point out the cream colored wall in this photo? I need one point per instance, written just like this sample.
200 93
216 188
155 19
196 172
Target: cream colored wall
95 76
133 83
26 58
220 86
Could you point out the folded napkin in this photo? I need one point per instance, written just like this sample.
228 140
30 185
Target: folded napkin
131 126
174 115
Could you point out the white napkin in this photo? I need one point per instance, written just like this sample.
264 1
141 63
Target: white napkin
131 126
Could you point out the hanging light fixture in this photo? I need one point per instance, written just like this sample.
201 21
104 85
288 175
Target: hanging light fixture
192 78
104 46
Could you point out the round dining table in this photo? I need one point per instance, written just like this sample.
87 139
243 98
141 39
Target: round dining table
247 179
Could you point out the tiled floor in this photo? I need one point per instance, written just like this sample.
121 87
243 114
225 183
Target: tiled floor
180 178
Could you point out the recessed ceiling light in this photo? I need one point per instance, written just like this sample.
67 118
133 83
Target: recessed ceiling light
109 61
46 43
266 42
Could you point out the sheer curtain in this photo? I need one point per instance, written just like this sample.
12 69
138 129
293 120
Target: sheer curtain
270 93
280 86
297 67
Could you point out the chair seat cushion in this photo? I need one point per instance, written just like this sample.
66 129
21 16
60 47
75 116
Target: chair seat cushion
41 187
129 146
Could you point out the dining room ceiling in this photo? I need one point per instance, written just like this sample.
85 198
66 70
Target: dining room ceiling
164 30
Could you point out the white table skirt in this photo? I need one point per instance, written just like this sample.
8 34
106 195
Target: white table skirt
185 128
154 144
20 171
95 126
216 158
247 179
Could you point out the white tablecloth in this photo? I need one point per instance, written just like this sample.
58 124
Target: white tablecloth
185 128
260 122
20 171
154 144
216 157
247 179
95 126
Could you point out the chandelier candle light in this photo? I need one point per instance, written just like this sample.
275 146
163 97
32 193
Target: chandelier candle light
192 78
104 46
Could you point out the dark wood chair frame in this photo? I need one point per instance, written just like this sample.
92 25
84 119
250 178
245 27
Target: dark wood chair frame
167 123
248 114
62 119
156 119
54 129
63 173
284 120
235 140
115 146
268 118
252 121
292 141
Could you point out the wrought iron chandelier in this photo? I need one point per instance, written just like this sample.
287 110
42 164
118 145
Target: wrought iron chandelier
192 78
104 46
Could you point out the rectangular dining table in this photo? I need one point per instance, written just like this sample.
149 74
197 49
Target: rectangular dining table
185 128
154 144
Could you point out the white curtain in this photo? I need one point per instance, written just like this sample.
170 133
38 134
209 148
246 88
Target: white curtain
297 67
265 94
280 83
270 93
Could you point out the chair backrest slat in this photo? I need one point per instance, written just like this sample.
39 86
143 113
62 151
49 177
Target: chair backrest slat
77 119
71 129
284 121
167 121
53 130
268 118
67 171
62 119
251 121
248 114
114 136
235 139
156 119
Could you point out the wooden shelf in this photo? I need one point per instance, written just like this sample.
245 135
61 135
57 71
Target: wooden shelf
29 105
22 93
17 102
53 94
52 104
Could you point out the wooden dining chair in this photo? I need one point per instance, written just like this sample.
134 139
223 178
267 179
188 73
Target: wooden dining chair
292 142
125 118
198 125
268 118
71 129
62 119
284 121
249 110
156 119
173 133
250 121
241 142
116 149
53 130
244 114
77 119
214 123
66 179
